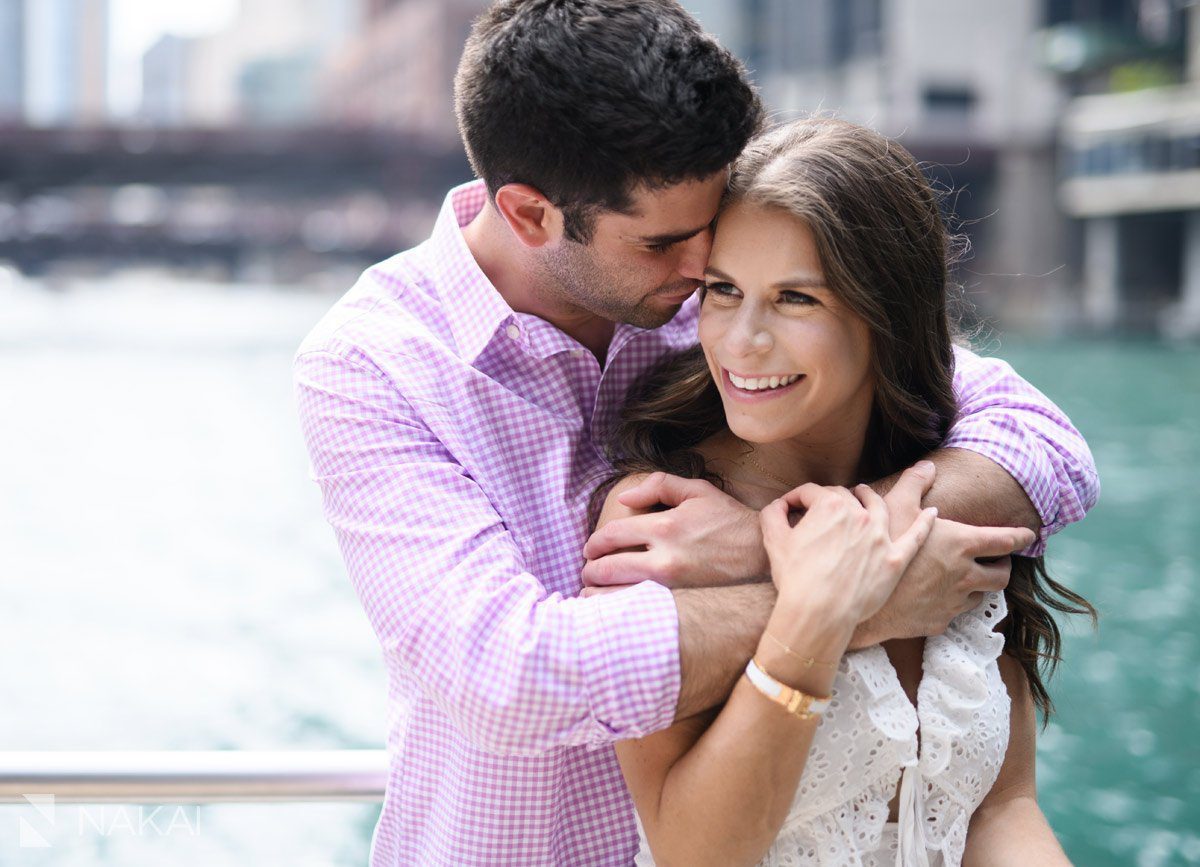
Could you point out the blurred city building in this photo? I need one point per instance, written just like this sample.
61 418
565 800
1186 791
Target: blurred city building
66 61
261 69
962 87
1067 130
165 81
1131 162
398 71
1063 126
12 60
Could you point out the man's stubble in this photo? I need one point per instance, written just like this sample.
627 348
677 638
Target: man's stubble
574 275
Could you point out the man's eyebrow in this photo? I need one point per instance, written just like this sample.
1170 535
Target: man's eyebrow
673 237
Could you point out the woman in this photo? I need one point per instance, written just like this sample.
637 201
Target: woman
825 359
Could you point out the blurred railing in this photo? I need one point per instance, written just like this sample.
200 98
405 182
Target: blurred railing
193 777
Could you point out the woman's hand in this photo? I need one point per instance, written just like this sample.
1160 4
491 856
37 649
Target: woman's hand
839 559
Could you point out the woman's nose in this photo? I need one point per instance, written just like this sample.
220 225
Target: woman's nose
750 336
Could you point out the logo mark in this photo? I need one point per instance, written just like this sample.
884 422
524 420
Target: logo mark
35 836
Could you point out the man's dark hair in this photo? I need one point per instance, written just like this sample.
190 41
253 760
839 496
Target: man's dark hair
586 99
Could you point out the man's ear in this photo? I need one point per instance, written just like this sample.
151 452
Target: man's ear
532 218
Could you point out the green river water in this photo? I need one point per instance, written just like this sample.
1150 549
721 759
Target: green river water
1119 765
171 584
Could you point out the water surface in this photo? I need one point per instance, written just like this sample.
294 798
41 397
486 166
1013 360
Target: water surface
168 581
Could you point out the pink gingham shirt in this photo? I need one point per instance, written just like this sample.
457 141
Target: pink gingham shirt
456 443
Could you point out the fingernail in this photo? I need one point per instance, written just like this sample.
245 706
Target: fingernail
932 510
925 466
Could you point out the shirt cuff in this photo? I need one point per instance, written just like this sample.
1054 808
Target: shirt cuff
628 644
1028 465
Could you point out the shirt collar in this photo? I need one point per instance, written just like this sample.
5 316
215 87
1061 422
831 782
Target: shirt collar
471 304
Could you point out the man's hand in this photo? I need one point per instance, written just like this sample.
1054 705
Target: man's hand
949 575
704 538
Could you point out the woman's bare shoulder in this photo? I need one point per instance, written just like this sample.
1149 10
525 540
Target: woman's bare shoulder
614 508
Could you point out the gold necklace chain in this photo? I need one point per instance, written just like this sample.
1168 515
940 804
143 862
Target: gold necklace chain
770 475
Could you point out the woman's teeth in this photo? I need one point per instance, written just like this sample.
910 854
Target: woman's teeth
762 382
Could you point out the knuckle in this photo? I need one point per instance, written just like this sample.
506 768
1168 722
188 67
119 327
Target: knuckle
662 566
598 577
666 524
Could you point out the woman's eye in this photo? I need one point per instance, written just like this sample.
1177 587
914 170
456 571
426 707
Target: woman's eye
793 297
727 290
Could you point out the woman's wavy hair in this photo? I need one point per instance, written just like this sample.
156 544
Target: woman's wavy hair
887 254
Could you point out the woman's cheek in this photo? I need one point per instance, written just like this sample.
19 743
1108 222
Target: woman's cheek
708 331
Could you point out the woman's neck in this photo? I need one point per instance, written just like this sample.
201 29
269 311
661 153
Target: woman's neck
779 467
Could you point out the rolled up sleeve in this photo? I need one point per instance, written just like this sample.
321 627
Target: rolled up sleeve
517 669
1004 418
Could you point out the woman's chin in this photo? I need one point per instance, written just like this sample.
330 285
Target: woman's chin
757 434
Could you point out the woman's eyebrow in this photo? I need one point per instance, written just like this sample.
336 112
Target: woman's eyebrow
719 274
800 281
803 281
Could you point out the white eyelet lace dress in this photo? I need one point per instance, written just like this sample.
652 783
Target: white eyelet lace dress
867 743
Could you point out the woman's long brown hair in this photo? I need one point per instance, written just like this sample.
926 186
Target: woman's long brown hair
886 253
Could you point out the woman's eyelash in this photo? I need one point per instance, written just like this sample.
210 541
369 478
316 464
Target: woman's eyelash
724 289
660 248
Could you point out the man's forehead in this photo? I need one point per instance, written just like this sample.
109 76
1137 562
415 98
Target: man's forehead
674 212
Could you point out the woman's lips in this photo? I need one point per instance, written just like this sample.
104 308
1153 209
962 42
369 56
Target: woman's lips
758 394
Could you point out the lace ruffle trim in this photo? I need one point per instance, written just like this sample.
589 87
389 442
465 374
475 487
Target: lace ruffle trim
956 684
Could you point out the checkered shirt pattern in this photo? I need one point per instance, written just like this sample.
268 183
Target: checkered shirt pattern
456 444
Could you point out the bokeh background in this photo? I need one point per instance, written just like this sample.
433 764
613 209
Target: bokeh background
185 188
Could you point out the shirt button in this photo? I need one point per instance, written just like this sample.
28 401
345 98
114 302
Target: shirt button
578 353
513 331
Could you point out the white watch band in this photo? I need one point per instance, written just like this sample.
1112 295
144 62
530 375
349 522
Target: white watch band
795 701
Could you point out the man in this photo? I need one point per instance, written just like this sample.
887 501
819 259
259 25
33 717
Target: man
456 403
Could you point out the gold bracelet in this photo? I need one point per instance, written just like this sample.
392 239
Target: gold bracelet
796 702
808 661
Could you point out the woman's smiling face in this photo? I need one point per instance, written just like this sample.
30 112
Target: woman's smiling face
791 362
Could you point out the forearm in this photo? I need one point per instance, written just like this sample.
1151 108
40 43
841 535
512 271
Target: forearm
1012 833
1009 829
1005 419
719 628
973 489
725 798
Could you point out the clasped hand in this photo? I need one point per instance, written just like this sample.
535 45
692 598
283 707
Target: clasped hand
706 538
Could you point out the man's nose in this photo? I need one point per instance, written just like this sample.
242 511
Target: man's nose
693 258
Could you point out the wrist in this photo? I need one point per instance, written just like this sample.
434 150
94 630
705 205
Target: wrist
803 652
787 669
866 634
811 619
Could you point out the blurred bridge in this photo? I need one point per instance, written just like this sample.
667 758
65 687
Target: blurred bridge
200 194
304 160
